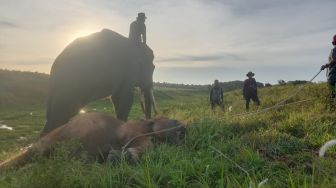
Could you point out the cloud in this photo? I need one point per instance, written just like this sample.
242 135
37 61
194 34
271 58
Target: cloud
27 61
38 62
7 24
193 38
207 58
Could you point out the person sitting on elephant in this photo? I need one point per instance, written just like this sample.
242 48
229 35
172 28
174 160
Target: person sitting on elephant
216 96
138 29
250 90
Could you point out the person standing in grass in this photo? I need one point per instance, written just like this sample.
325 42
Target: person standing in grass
331 74
216 96
250 90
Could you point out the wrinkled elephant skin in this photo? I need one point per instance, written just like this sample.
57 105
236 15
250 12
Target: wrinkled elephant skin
92 67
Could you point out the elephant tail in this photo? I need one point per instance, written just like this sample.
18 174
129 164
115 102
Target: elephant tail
17 160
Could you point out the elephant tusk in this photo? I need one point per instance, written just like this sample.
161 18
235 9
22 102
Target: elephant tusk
153 102
141 100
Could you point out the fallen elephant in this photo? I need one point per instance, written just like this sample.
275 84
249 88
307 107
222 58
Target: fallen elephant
103 136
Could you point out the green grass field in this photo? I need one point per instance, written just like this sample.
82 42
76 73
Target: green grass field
279 147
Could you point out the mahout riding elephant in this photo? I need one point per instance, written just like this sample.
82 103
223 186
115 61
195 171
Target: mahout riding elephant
92 67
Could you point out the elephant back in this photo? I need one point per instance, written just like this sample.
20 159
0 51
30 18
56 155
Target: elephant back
94 58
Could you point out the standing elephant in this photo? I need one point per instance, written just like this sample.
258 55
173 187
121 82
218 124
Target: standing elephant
101 64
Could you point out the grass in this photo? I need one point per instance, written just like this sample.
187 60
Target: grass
220 150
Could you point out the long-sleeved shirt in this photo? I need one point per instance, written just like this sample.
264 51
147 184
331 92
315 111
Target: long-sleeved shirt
332 65
216 94
137 32
250 87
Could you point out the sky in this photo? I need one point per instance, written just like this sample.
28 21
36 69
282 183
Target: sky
194 41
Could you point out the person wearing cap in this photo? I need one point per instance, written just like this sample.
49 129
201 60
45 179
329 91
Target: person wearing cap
331 74
216 96
138 29
250 90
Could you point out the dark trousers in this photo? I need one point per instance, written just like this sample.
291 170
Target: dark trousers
248 99
219 103
332 93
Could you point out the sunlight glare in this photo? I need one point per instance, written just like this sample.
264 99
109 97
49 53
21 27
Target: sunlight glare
77 33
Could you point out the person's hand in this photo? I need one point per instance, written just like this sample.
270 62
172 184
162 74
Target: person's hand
323 67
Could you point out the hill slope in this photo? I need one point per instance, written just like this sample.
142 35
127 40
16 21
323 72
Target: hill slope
22 88
222 149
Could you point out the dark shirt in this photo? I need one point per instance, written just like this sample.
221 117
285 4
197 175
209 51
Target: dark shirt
137 29
332 65
216 94
250 87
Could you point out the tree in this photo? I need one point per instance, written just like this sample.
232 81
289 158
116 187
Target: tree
281 82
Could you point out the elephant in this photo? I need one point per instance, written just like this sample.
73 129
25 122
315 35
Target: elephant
95 66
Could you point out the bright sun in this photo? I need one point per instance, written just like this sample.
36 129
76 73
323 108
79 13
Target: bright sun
80 33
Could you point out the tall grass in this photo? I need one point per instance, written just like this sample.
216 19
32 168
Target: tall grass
280 145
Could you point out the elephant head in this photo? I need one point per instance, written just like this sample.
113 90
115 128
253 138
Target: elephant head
145 78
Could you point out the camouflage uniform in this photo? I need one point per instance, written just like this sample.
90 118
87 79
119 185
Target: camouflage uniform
216 97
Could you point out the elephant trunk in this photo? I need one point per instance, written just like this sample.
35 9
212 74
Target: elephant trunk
148 103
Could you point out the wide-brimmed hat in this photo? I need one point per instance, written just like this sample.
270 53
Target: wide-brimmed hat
141 15
250 74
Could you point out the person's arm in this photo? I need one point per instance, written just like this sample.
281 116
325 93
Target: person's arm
211 94
332 59
244 88
130 31
222 96
255 84
144 35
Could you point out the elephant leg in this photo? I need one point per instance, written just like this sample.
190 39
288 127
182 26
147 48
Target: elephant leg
58 114
115 101
141 99
123 101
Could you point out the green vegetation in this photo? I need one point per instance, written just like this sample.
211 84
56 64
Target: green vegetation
280 145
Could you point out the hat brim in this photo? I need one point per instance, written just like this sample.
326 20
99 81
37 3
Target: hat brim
250 74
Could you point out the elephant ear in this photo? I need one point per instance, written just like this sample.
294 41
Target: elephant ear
149 125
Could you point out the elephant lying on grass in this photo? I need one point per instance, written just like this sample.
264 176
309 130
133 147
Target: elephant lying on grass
103 137
96 66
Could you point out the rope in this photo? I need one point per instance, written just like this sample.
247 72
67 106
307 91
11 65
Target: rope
281 103
147 134
278 105
325 147
298 90
270 108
